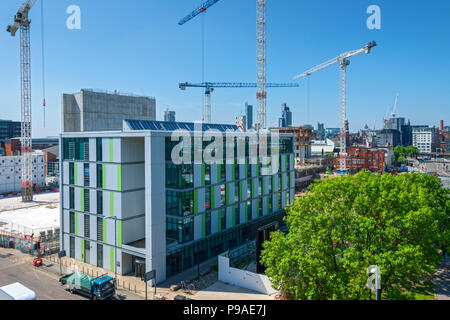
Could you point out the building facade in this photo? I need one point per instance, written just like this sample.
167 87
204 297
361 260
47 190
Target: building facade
92 110
11 172
360 158
10 129
249 115
169 116
424 138
286 117
125 202
302 141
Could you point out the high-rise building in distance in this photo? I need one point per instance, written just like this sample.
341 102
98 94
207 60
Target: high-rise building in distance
249 115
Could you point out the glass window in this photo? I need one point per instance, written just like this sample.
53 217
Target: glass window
260 207
72 222
223 219
222 195
207 174
87 228
86 200
207 198
249 189
100 229
236 192
179 203
99 149
71 173
208 223
249 210
71 198
270 178
99 256
237 214
99 202
187 176
72 247
99 176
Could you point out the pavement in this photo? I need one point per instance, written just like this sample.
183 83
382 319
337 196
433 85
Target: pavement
16 266
224 291
441 281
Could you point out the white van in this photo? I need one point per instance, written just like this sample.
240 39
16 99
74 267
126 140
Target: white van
16 291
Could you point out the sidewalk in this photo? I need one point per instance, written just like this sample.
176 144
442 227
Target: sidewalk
52 268
442 281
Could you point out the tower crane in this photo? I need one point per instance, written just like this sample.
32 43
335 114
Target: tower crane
261 61
394 110
22 22
209 88
197 11
343 60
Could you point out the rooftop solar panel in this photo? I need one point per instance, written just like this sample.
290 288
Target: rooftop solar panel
172 126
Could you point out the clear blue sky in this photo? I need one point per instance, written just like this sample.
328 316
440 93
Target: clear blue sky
137 46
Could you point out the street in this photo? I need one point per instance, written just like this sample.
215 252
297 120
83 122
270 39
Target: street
17 267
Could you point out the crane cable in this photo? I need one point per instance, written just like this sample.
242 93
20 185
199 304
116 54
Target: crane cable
43 57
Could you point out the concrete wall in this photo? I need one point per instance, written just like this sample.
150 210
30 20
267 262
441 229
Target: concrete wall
98 111
245 279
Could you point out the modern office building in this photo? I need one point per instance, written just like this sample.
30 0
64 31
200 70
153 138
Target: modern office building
92 110
169 116
249 115
125 202
10 129
387 137
286 117
424 138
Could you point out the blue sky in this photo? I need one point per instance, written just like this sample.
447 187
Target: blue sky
137 46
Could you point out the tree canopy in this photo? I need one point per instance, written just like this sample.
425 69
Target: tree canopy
343 225
405 152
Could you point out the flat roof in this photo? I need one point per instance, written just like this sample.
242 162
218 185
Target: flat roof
40 217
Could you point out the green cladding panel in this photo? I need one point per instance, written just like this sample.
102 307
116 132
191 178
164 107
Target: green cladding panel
203 174
104 230
119 177
111 259
75 215
75 173
81 199
195 201
119 234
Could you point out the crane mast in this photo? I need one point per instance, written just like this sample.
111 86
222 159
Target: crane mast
344 62
261 63
22 22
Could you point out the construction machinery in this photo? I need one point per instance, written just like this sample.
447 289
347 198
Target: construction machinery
197 11
343 60
261 61
22 22
209 88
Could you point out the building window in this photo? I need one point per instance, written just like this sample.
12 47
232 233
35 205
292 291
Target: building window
237 214
236 192
249 189
100 229
87 228
207 174
72 222
86 175
71 198
71 173
249 210
86 200
222 195
179 203
260 207
223 219
99 149
99 256
72 247
207 198
99 176
100 202
208 223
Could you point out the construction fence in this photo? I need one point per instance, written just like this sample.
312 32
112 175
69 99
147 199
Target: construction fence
37 246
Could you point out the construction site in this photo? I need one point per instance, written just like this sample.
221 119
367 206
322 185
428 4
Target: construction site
111 199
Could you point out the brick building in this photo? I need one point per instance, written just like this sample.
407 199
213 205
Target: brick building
302 141
360 158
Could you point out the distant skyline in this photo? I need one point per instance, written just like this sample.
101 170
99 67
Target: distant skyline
138 47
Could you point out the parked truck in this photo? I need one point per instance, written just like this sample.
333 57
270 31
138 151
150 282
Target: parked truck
101 288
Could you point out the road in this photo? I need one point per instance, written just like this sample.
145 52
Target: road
15 267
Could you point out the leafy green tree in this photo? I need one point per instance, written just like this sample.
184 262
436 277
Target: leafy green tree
343 225
401 160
